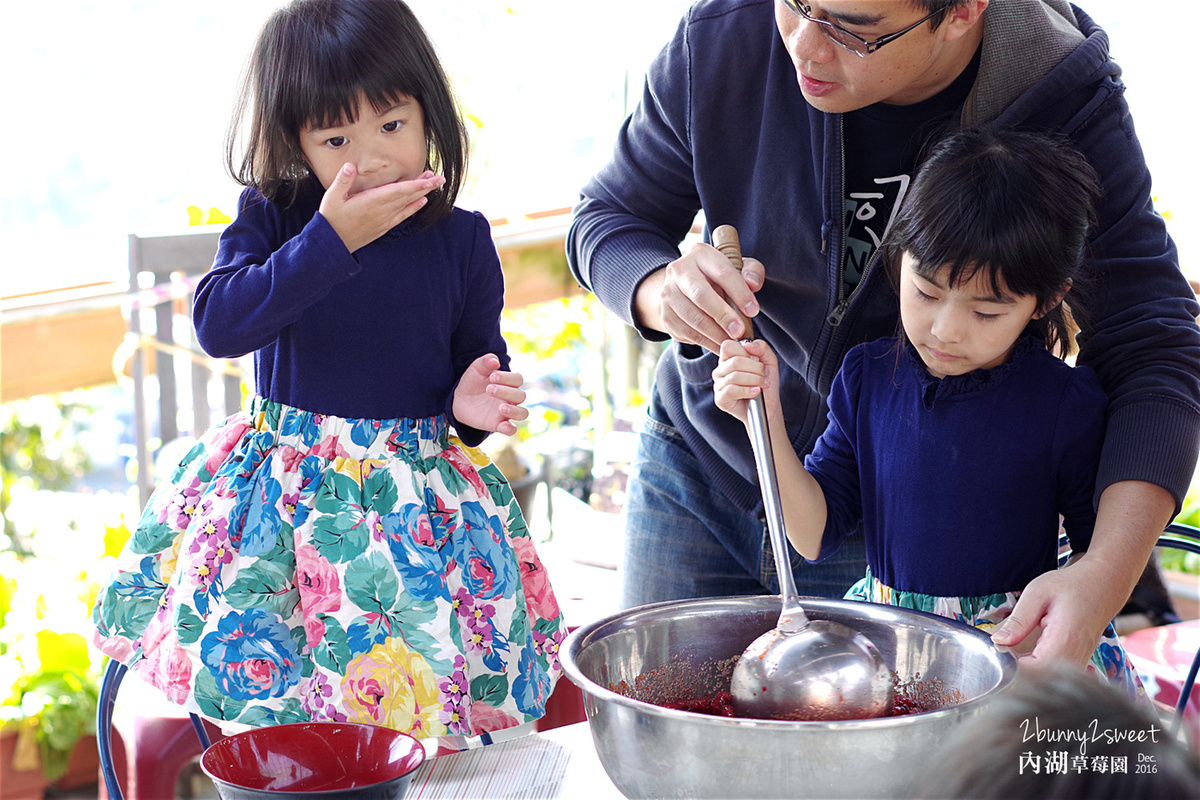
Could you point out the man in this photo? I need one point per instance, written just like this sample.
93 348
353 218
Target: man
800 124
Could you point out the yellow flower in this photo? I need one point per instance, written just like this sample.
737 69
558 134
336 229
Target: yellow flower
355 469
170 561
393 686
476 456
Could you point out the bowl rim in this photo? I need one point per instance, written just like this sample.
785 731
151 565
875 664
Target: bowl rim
577 640
418 748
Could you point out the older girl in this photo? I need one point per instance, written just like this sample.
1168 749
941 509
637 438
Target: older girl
960 444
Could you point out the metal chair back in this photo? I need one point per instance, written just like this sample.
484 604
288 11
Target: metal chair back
163 272
109 685
1183 537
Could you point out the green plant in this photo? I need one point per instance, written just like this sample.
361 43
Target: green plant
552 345
49 563
53 705
1181 560
45 608
45 659
555 345
39 449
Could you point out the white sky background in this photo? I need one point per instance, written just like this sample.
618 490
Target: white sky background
117 111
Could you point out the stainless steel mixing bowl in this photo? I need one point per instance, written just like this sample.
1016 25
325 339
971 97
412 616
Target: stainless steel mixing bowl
652 751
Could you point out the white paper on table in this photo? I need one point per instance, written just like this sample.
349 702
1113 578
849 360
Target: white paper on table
530 767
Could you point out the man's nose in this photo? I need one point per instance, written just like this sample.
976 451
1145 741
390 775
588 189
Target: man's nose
806 42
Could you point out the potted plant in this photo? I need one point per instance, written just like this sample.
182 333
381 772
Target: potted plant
48 722
49 562
48 718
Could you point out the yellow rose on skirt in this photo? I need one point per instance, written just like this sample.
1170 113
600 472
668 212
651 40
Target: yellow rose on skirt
393 686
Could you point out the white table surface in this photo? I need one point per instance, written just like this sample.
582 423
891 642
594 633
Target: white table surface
559 763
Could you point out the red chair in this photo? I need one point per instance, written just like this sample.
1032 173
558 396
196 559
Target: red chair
564 707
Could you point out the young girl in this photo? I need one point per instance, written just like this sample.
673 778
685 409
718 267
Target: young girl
958 445
336 552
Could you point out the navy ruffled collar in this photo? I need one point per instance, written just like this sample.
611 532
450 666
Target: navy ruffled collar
934 389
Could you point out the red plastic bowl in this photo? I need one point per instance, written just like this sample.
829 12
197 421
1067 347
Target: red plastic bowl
314 760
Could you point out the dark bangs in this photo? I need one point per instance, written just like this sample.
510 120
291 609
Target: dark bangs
313 60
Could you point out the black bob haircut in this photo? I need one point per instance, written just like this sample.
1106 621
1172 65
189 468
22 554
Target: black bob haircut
1017 205
311 63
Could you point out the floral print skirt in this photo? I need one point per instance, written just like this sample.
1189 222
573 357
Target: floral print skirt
986 612
304 567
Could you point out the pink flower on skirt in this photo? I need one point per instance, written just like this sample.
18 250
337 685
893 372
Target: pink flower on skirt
166 665
318 581
288 457
314 630
117 647
289 503
463 466
328 448
485 718
183 505
224 439
169 668
539 596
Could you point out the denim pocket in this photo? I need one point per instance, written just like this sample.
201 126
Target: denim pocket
662 430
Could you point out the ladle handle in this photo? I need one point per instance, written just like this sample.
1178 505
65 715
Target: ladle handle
725 238
792 618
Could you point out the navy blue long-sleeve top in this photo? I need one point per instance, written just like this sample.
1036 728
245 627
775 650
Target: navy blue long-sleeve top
959 482
381 333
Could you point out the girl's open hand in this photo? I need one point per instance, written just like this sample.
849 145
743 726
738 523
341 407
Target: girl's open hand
489 399
362 217
746 369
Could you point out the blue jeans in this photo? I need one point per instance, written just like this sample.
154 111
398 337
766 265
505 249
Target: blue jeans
672 552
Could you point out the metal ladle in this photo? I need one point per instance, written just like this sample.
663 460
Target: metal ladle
802 669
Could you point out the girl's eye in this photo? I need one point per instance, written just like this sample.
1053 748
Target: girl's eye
986 317
393 126
926 297
336 141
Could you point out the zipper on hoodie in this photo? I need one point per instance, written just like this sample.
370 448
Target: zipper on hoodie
835 317
839 311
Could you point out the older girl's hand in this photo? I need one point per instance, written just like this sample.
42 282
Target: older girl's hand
488 398
745 370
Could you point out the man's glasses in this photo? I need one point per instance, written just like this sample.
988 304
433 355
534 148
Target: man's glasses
844 38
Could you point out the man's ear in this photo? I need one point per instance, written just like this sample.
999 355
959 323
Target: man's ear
963 18
1054 302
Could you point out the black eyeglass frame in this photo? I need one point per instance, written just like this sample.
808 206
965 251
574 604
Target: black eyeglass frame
832 30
